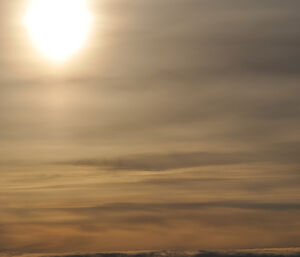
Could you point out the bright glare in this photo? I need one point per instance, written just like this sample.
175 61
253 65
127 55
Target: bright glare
59 28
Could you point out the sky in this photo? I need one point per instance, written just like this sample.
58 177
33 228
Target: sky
176 126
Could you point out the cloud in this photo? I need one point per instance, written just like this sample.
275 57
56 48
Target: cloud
280 153
177 127
201 253
161 162
236 253
177 225
186 206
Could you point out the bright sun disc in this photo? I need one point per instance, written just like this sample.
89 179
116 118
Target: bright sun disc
59 28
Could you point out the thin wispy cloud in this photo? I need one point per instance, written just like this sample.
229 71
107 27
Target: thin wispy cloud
176 126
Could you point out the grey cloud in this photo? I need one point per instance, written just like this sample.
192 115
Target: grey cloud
200 253
180 206
279 153
258 39
195 253
161 162
123 211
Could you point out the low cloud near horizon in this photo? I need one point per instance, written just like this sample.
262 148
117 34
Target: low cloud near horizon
275 252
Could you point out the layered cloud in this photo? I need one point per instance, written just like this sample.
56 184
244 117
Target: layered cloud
176 128
165 253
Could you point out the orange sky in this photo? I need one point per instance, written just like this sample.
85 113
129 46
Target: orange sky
176 126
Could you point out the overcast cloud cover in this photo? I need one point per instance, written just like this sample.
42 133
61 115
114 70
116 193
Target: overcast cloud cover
177 127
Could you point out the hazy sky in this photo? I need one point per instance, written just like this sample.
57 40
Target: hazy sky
175 127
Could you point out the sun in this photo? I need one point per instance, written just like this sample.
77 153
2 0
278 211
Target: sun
58 28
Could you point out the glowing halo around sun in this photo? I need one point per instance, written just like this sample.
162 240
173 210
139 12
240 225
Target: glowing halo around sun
58 28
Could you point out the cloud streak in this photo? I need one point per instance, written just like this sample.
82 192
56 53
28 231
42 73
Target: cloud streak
176 127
